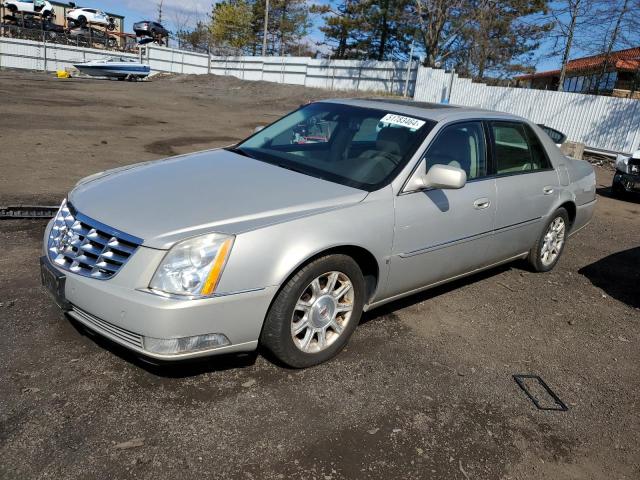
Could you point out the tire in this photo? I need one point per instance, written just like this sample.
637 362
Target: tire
617 189
82 20
278 331
537 259
13 9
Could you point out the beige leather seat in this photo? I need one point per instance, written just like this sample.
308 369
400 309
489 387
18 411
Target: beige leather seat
372 166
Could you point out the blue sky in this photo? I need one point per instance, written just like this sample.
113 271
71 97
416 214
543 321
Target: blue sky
177 12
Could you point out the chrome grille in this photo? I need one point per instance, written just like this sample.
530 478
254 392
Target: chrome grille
85 246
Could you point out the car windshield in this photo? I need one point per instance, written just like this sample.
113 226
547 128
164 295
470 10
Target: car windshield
360 147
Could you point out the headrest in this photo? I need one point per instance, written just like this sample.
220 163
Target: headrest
393 140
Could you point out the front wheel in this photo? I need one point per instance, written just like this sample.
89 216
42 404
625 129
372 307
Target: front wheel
315 313
547 250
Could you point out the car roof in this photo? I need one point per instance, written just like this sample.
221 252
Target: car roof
431 111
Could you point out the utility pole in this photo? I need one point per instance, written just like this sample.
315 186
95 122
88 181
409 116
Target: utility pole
409 65
266 27
160 11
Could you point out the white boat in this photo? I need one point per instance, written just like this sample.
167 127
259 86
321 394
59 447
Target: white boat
115 67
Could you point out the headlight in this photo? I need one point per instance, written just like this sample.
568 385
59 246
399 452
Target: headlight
193 267
622 163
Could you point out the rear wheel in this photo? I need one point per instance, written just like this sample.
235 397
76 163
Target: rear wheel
547 250
315 313
82 20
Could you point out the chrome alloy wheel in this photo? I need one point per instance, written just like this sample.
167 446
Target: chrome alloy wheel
552 242
322 312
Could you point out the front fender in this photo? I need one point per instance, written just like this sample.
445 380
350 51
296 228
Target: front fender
268 256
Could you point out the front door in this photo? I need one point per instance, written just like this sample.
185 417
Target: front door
444 233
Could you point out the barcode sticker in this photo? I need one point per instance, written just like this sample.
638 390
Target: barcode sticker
408 122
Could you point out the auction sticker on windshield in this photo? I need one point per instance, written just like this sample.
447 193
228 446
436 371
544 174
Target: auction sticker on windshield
403 121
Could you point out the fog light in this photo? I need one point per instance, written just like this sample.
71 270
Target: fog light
176 346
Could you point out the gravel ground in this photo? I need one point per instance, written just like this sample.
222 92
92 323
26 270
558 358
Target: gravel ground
424 389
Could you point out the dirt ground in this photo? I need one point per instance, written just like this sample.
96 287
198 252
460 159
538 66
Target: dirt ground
424 389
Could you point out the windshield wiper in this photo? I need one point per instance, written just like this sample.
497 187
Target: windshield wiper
239 151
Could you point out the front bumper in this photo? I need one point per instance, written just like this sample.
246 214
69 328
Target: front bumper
628 181
122 310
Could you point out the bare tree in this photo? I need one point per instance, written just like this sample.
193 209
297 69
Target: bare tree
569 16
440 24
619 15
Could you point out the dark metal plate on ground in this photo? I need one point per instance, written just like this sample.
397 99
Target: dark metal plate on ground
28 211
540 393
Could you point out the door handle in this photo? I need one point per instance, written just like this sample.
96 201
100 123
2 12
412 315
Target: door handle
481 203
547 190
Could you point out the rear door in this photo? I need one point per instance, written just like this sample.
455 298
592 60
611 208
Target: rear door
527 188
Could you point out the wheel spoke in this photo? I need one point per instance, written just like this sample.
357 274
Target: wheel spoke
306 341
343 307
336 327
322 338
342 291
303 306
315 288
300 326
331 282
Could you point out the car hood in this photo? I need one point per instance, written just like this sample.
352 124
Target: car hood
213 191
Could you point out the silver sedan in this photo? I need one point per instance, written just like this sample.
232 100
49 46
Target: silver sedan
286 238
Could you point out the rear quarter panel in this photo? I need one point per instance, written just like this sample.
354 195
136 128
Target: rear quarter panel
583 181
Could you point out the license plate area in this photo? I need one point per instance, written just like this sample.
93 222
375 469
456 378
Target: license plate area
54 282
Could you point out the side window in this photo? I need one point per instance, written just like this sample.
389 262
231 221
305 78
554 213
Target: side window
511 148
461 145
517 148
538 153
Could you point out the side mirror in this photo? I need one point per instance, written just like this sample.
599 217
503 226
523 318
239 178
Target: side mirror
445 176
438 176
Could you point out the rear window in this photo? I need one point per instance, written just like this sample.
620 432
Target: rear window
517 148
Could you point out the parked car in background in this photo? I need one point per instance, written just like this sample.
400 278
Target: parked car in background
285 243
89 35
149 28
28 6
557 136
84 16
627 176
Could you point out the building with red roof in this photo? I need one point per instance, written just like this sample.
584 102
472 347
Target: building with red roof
616 74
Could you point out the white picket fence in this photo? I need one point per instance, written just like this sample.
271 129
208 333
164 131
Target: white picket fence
602 123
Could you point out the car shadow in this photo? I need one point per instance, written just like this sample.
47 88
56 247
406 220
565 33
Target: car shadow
618 275
174 369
